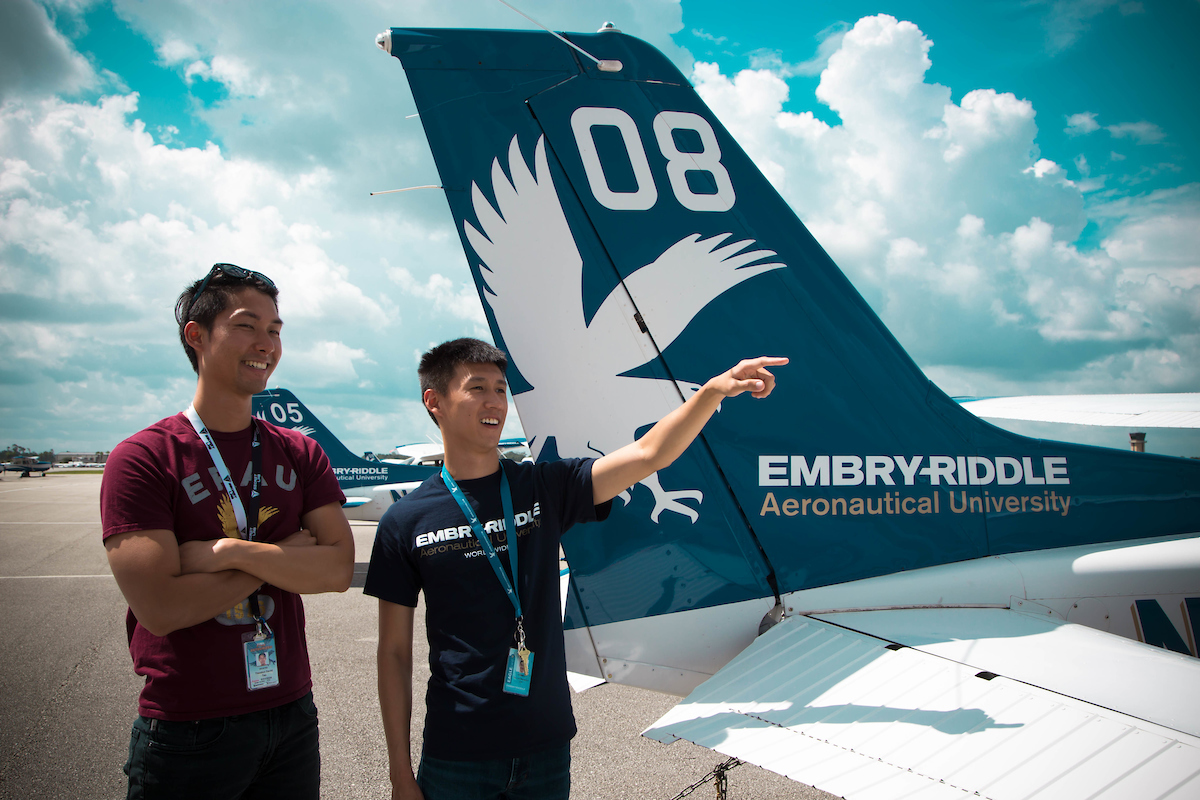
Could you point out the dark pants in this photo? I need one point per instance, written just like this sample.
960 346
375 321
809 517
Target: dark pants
264 754
541 776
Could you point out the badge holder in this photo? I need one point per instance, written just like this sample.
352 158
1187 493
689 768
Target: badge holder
262 663
519 671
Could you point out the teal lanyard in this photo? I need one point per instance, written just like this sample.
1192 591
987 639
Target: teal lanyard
510 530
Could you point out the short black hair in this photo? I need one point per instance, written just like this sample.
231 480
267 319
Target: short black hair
438 365
212 301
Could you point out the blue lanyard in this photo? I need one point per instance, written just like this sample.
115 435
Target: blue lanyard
246 516
510 530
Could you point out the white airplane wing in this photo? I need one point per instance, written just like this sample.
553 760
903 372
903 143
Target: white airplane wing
1133 411
922 704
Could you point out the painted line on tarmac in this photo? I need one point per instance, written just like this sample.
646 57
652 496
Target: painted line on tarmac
47 577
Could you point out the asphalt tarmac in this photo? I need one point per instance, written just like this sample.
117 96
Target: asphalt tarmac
68 694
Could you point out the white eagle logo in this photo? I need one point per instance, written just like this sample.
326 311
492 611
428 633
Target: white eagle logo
534 281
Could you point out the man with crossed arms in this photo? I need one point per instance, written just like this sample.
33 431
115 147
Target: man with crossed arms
214 523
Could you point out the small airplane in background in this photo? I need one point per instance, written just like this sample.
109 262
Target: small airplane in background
370 484
431 453
27 465
428 453
858 583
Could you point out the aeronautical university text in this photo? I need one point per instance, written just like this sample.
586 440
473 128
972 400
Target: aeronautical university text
850 470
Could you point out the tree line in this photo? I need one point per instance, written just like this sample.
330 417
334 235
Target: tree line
14 450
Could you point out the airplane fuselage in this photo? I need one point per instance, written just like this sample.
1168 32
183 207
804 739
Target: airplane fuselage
1143 590
26 466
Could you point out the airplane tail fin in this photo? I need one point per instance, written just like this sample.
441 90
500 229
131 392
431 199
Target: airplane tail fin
626 249
280 407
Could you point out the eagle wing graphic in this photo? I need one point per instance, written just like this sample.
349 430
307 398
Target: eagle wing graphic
532 272
531 266
228 519
688 276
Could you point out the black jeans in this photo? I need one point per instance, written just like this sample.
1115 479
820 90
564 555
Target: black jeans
264 754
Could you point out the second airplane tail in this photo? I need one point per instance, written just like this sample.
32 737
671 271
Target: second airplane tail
280 407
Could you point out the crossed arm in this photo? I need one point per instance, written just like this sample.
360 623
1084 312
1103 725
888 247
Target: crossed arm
171 586
666 441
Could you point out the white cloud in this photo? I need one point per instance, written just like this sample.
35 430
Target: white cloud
1159 236
987 120
323 363
102 223
36 58
829 40
177 51
382 427
233 73
1069 19
1082 123
699 34
878 75
925 203
1141 132
930 204
459 299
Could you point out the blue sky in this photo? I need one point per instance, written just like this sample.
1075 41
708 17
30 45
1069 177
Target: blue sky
1123 62
1011 185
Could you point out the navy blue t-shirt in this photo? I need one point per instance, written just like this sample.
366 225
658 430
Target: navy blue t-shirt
425 544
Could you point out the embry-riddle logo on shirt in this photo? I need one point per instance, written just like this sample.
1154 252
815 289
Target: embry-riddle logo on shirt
493 528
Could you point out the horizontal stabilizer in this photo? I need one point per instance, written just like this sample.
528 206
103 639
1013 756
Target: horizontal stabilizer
1132 411
863 718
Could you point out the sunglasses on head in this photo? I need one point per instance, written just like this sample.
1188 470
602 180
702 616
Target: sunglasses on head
230 271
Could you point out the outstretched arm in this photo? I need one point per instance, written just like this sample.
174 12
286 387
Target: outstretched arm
666 441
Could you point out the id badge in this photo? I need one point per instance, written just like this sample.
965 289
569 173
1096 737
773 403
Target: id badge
518 673
262 667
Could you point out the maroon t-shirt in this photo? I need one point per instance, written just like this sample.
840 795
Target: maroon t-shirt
162 478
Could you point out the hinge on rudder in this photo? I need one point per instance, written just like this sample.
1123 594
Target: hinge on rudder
637 317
